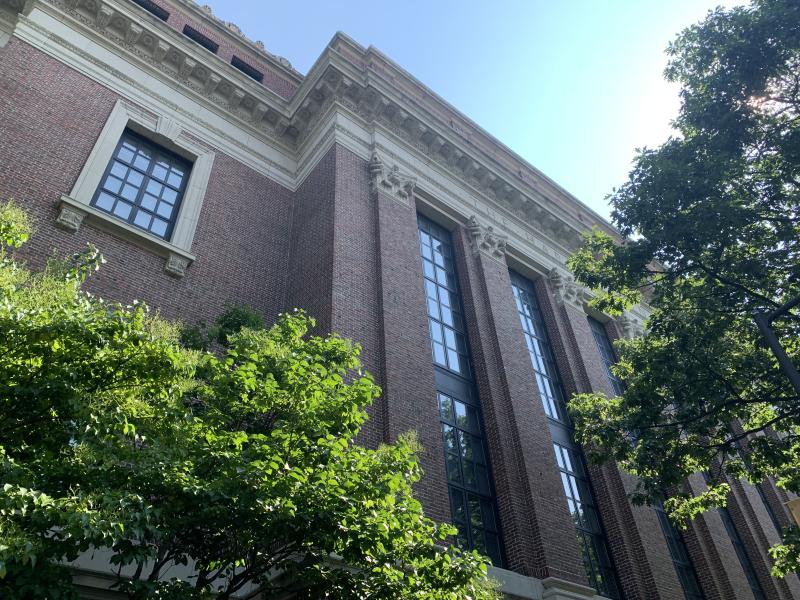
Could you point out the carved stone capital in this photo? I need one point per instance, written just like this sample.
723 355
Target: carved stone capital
631 326
176 265
484 239
390 181
70 218
566 290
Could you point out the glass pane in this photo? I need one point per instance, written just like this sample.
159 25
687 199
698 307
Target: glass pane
154 188
475 512
457 505
175 178
160 171
142 219
126 153
449 435
129 192
438 354
453 360
453 468
122 210
112 184
169 195
119 169
135 178
148 202
104 201
436 331
142 160
428 270
164 210
159 227
446 408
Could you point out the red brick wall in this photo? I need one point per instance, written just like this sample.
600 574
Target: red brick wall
52 117
356 295
310 260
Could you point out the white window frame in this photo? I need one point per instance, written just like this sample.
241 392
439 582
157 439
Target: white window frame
161 129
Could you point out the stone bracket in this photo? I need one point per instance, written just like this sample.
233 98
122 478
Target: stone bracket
484 239
176 265
631 326
70 218
390 181
567 291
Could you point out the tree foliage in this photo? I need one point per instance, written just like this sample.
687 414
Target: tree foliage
712 220
240 465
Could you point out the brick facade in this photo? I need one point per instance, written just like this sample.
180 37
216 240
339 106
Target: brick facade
306 222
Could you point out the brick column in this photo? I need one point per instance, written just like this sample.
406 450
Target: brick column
409 392
582 371
538 534
758 533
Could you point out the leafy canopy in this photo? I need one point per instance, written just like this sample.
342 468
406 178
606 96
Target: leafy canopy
240 465
712 219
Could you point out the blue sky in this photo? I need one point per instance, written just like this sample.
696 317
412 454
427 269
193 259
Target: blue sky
572 86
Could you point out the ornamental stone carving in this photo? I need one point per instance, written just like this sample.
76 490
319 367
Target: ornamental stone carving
169 128
69 218
631 326
390 181
176 265
485 239
566 290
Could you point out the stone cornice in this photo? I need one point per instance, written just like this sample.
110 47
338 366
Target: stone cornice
233 33
366 84
183 62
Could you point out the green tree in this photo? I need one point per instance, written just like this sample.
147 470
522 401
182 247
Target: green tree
712 221
241 464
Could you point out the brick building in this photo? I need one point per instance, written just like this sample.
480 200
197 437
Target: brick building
209 171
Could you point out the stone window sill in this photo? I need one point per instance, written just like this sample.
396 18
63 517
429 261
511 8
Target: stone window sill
72 214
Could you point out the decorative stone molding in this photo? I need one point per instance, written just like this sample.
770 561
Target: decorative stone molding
453 144
70 218
390 181
484 239
10 10
176 265
169 128
566 290
630 325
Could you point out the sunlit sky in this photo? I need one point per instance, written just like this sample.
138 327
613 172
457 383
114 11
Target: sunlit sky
572 86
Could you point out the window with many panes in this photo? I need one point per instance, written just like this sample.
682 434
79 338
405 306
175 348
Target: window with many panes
448 341
680 556
607 354
471 500
469 481
569 458
580 502
143 185
741 553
